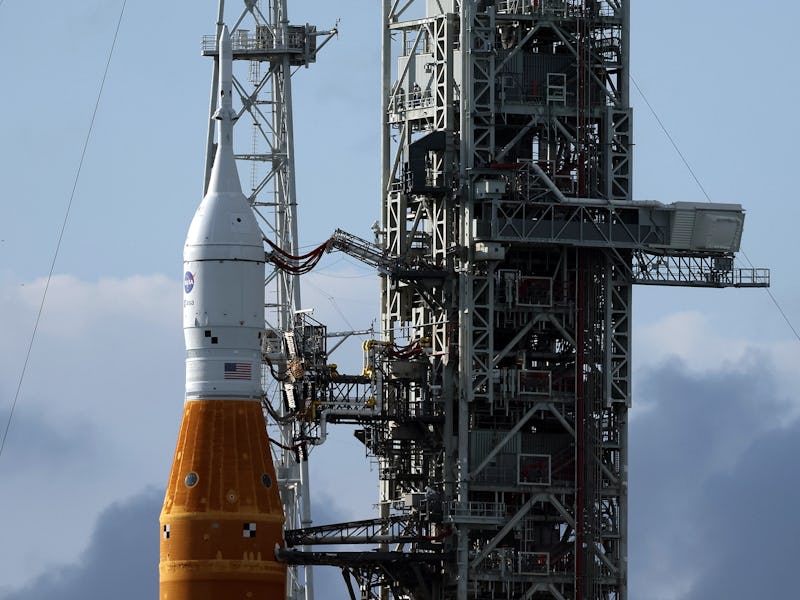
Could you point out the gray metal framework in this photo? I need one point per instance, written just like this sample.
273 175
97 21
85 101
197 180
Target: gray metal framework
264 40
507 168
496 399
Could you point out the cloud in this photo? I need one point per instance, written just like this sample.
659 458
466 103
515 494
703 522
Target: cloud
688 335
121 561
60 446
98 411
100 406
328 508
73 305
733 536
703 450
702 344
712 440
747 519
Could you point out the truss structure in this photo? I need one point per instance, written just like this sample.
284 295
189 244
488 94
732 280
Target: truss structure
507 143
496 399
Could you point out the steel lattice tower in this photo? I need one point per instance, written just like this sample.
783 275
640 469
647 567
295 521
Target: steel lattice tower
507 164
496 399
521 102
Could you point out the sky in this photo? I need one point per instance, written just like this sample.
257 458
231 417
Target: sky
715 426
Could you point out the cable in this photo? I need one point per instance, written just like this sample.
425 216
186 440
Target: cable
296 448
778 306
332 300
367 271
275 375
61 233
323 246
335 306
708 198
274 414
671 140
296 264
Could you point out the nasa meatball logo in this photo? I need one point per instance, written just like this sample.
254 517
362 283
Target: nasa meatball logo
188 282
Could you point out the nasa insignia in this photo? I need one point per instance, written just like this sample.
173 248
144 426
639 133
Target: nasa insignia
188 282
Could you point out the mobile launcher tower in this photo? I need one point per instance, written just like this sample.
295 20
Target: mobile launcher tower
496 399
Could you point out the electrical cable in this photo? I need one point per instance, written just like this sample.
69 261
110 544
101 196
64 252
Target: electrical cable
335 306
296 264
308 254
274 414
275 375
366 270
708 198
61 233
296 448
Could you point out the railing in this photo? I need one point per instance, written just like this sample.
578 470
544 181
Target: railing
533 563
423 47
264 39
694 271
476 510
572 8
407 101
507 562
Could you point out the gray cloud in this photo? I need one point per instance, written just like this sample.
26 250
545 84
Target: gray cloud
701 452
748 525
328 581
121 561
34 441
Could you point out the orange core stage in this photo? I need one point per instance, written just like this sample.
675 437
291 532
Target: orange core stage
222 517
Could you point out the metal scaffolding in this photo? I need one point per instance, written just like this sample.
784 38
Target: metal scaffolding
508 250
496 399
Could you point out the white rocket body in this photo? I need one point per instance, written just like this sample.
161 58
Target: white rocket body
222 517
223 302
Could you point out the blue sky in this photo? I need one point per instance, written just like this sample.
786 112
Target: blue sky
715 418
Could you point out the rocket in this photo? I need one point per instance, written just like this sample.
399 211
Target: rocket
222 518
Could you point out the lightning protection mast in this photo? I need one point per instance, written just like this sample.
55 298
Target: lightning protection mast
264 40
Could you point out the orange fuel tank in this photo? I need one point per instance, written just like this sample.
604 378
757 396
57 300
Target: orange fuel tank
222 517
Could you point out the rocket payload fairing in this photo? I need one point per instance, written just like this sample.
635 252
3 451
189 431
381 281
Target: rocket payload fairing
222 517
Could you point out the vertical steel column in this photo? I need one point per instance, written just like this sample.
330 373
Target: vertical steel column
297 501
463 395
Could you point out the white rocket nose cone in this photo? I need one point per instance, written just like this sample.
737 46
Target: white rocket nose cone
223 308
224 226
